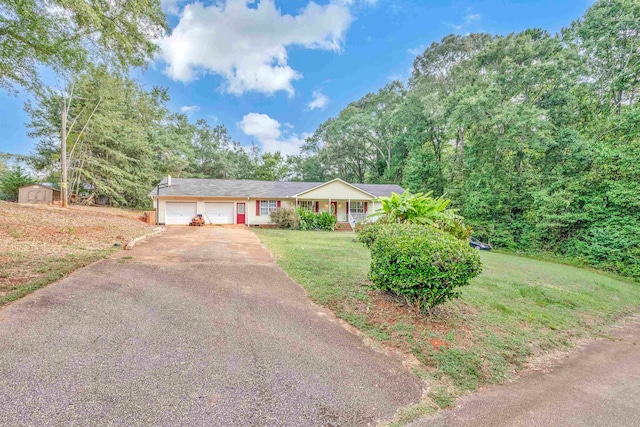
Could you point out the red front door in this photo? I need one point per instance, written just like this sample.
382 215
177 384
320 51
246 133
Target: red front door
240 215
334 209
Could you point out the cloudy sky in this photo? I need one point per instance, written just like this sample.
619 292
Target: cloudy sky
273 70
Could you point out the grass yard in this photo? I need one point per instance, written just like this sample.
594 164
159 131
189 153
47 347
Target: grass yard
40 244
517 309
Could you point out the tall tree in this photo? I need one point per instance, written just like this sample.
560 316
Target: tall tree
113 151
68 35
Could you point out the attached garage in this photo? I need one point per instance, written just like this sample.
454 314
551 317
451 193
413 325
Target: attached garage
180 212
219 212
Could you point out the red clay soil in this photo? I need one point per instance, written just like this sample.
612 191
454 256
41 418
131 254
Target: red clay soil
34 237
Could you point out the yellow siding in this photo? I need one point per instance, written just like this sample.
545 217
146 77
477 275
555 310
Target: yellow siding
335 190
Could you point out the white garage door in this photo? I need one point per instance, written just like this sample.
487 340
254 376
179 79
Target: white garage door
219 213
180 213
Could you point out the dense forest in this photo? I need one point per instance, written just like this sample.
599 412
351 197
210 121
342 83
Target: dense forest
535 137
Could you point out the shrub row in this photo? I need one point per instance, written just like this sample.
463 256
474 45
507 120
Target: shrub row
302 219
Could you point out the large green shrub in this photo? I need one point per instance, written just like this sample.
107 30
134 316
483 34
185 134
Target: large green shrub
420 263
326 221
423 209
368 233
285 218
312 221
307 219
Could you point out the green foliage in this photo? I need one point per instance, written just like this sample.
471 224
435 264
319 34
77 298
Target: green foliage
325 221
369 232
122 139
12 180
307 219
423 209
533 136
424 265
285 218
271 167
4 163
69 35
315 221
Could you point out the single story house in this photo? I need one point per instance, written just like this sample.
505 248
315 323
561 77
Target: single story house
247 202
38 193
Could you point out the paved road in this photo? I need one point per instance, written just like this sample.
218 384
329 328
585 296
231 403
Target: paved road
199 328
598 385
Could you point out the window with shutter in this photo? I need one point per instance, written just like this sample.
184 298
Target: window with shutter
267 206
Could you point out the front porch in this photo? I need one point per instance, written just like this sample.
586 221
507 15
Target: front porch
346 211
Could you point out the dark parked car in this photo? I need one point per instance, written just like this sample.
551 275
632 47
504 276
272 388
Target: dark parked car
477 244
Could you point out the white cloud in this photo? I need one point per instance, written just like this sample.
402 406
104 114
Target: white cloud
171 7
261 126
417 50
319 101
189 109
246 42
468 19
472 17
267 131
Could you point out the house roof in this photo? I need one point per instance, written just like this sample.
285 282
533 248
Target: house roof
249 188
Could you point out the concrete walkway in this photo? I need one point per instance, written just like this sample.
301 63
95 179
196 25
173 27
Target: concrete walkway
200 327
597 385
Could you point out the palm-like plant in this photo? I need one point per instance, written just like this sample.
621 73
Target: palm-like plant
423 209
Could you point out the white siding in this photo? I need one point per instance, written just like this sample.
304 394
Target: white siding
180 212
253 219
200 205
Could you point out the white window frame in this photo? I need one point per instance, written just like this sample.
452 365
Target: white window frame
268 206
356 207
311 205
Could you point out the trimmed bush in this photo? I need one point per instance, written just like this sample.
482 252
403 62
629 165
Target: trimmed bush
420 263
368 232
285 218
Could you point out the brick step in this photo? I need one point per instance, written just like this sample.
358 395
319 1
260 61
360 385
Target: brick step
342 226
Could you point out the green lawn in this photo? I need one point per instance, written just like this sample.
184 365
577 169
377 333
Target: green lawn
516 309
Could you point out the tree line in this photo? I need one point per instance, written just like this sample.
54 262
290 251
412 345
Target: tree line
535 137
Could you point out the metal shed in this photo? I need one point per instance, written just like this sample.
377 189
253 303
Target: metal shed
38 193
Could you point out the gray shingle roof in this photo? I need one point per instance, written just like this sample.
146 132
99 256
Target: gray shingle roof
248 188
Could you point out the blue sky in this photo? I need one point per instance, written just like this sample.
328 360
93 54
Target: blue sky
272 71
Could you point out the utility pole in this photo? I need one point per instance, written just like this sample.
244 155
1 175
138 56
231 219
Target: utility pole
63 154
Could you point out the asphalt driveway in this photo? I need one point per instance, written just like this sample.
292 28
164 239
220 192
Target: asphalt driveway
199 327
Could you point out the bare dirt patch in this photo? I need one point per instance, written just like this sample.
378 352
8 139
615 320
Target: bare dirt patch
39 244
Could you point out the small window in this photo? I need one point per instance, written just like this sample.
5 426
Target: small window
356 207
267 206
308 205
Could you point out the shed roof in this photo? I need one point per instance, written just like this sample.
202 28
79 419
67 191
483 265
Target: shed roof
45 186
250 188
